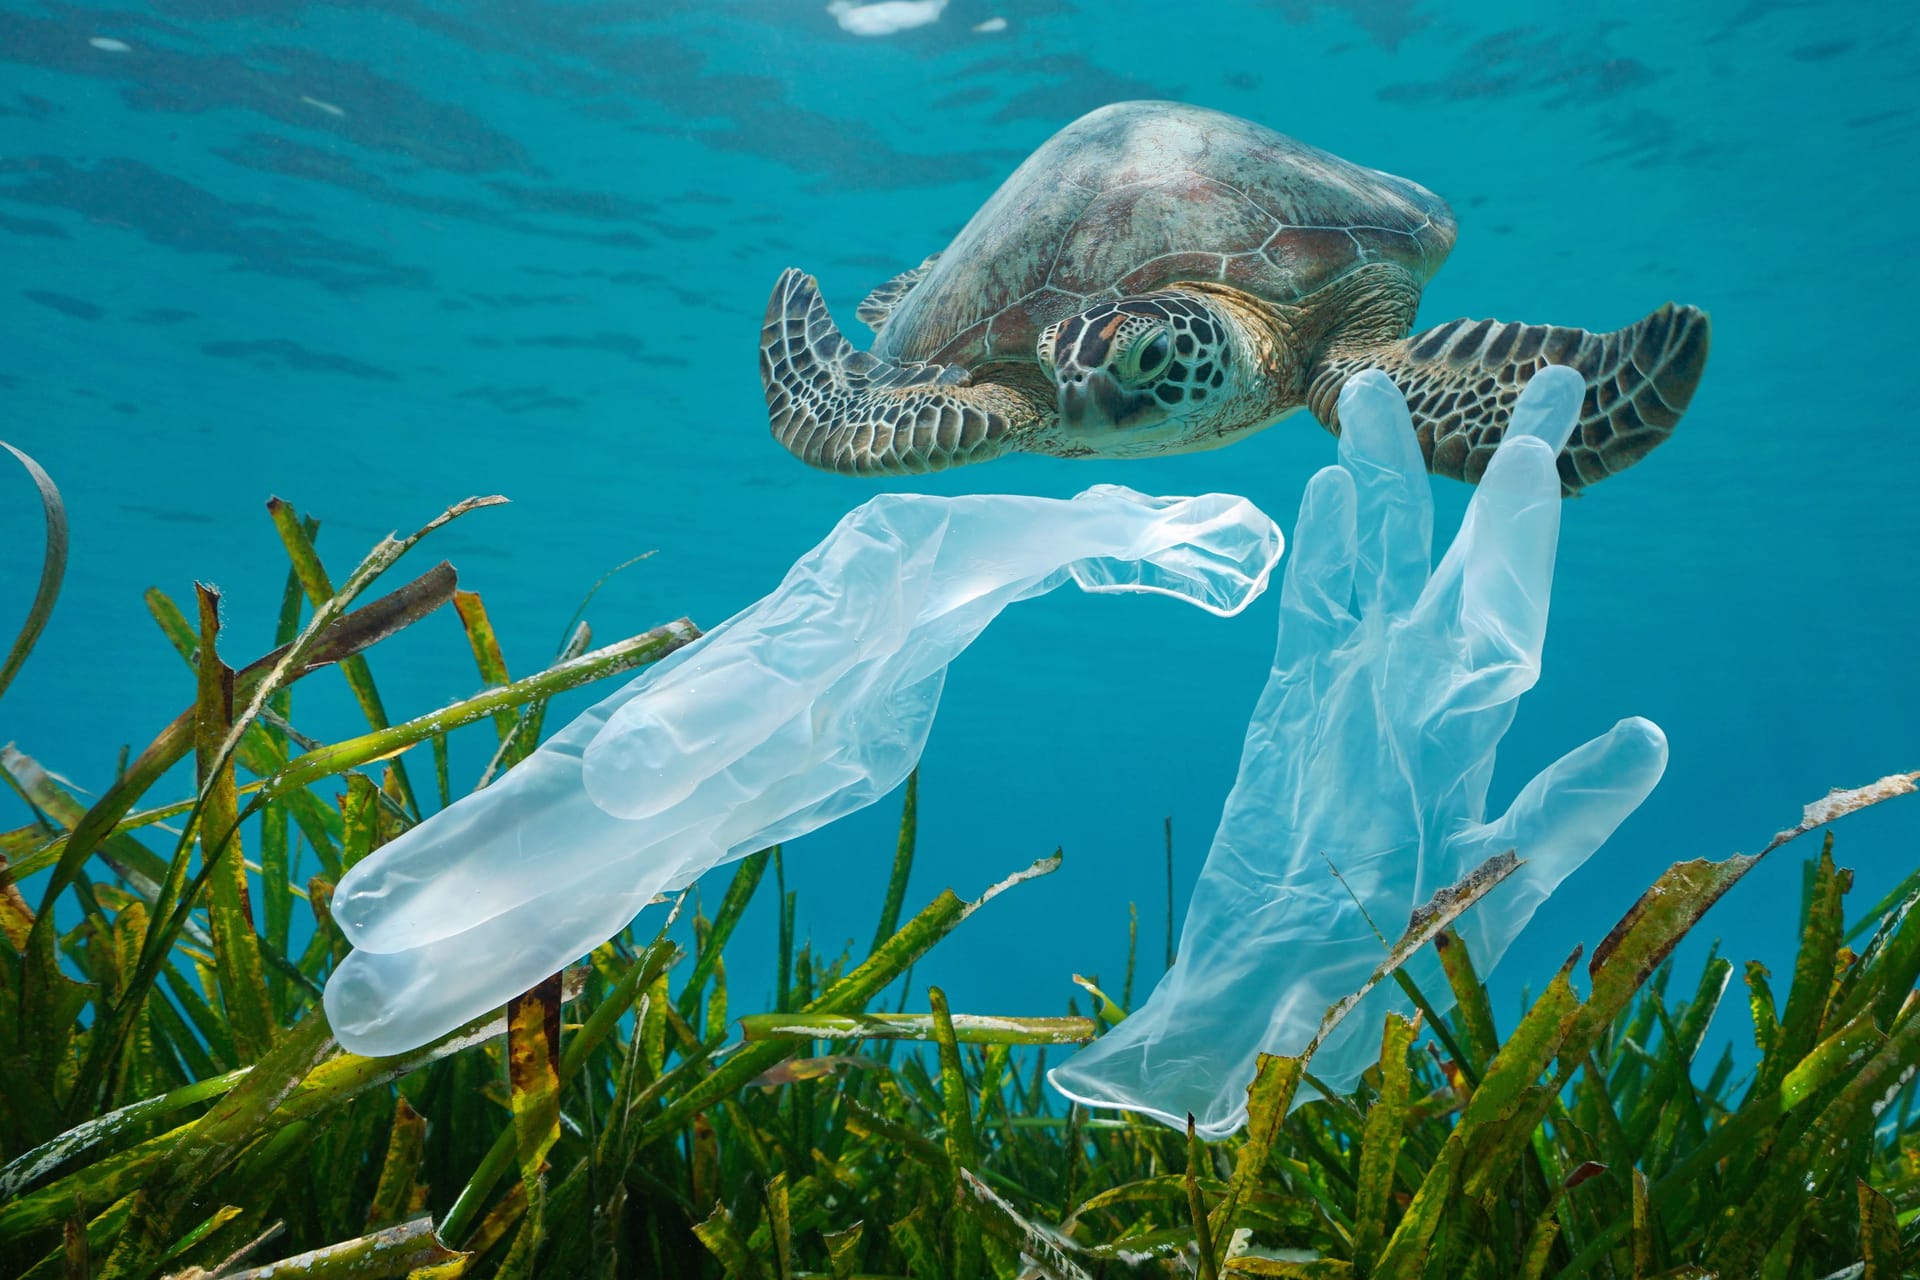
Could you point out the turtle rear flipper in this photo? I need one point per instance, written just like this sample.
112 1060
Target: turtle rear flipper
879 304
849 411
1461 381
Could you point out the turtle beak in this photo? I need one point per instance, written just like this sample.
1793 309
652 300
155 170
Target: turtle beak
1089 398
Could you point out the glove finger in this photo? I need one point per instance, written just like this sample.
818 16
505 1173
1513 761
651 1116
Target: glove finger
1556 823
1549 406
1490 595
1316 588
1548 409
1394 498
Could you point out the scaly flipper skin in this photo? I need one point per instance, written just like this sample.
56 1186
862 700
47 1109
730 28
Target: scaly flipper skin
879 304
1461 381
845 410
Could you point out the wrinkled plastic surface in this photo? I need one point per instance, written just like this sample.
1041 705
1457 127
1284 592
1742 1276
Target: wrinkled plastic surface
1370 752
810 704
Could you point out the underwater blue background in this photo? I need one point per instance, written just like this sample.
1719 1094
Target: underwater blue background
376 257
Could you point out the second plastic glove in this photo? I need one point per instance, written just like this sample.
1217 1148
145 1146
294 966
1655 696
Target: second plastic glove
1369 755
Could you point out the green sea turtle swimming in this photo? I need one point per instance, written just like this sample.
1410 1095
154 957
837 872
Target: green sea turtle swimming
1161 278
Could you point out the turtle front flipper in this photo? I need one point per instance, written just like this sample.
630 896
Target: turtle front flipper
852 412
878 306
1461 381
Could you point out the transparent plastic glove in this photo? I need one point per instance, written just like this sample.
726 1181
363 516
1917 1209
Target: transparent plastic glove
810 704
1371 752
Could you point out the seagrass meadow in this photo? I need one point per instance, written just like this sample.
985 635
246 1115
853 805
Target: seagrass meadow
172 1104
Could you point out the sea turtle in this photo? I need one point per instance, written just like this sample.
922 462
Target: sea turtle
1161 278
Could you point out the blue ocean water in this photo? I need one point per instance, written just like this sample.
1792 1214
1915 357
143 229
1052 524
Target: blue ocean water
376 257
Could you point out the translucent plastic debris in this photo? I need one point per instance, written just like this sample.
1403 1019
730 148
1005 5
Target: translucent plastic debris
808 705
1370 754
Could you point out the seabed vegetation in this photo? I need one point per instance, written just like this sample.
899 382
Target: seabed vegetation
172 1104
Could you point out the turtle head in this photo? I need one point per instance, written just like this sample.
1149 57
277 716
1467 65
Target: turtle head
1134 376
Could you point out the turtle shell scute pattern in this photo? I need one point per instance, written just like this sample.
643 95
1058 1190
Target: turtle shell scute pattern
1141 195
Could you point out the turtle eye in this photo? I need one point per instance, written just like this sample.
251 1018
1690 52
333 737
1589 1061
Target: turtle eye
1150 353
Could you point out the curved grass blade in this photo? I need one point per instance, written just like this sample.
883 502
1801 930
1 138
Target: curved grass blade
843 1249
902 864
957 1113
347 635
1840 802
1470 1002
296 658
137 866
1507 1087
236 946
580 610
29 1166
209 1144
1197 1204
1047 1249
1427 923
313 577
528 725
398 1192
53 568
739 894
1105 1007
913 940
335 1081
723 1241
603 1022
1879 1236
533 1043
968 1028
395 1251
263 748
1382 1134
648 646
93 1237
486 651
1161 1189
1803 1024
1811 1166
